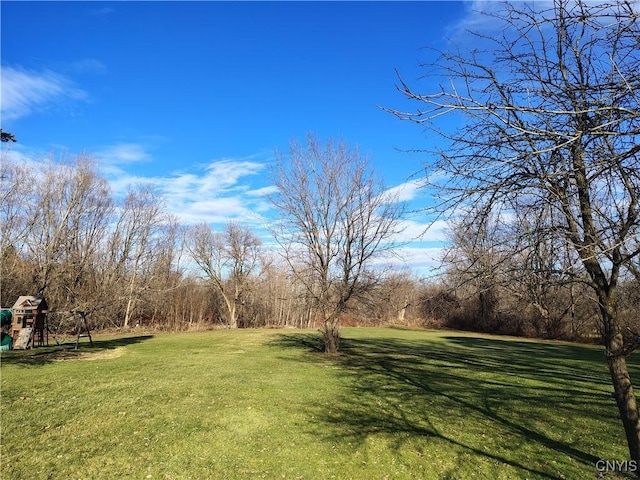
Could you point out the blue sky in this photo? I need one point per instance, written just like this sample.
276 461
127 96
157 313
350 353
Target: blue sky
193 97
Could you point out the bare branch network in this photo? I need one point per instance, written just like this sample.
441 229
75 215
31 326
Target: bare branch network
551 118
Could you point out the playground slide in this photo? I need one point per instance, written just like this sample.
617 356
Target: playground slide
5 322
24 339
5 341
5 317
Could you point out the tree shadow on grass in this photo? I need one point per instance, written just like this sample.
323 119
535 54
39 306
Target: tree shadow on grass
572 362
310 342
42 355
467 391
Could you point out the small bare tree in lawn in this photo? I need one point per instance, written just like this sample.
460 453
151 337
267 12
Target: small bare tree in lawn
228 259
551 115
335 217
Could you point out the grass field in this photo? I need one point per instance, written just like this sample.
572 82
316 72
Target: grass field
396 404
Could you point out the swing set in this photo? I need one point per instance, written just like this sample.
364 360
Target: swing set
28 326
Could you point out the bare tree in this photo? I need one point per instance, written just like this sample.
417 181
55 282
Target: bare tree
334 219
228 259
67 217
513 277
141 216
552 121
475 263
63 236
392 299
543 274
16 189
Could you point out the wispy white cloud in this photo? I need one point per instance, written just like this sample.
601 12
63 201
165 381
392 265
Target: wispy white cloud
406 191
25 92
123 153
215 193
420 242
226 172
477 18
482 16
423 231
262 192
214 211
422 260
114 162
23 156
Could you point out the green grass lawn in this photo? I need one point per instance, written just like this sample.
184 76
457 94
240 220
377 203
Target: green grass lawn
267 404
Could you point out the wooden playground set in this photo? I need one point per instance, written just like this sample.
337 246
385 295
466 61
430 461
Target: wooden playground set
25 325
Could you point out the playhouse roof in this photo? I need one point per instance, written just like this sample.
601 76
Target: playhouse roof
29 302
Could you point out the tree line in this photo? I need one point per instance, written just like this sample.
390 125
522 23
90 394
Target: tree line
130 263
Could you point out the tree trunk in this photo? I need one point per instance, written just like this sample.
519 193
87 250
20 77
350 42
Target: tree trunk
233 317
624 394
132 285
231 309
331 336
403 310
